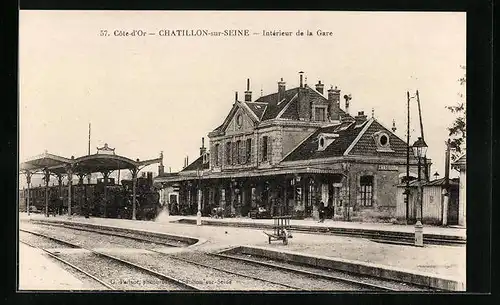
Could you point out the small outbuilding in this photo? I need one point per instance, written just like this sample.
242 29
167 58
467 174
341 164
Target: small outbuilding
436 210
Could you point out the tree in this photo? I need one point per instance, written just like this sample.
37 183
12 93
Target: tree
457 130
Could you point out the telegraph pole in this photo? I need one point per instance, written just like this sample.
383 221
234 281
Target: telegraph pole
89 140
407 188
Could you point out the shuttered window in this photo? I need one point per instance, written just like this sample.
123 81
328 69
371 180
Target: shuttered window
264 148
234 154
238 152
269 149
228 153
216 155
248 156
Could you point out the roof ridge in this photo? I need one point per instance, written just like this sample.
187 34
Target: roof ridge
358 137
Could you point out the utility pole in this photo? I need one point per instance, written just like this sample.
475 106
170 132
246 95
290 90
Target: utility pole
89 140
407 188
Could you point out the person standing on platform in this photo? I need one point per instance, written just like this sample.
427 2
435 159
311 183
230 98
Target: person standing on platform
321 211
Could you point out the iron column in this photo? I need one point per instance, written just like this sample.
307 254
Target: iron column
70 182
47 179
28 180
134 182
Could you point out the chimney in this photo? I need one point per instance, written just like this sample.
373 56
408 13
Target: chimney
393 126
334 103
161 168
320 87
150 178
301 75
304 102
361 117
236 96
347 98
281 90
203 149
248 93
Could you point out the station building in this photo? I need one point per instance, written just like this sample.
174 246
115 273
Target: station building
290 152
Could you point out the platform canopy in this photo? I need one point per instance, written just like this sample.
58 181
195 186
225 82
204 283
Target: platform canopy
43 161
99 162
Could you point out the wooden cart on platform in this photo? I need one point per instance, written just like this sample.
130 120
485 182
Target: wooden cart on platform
281 229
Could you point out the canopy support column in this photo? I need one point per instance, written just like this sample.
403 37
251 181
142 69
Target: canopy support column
60 202
105 176
46 177
70 183
28 180
134 172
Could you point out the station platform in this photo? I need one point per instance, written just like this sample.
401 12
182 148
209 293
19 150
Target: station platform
38 272
315 226
446 261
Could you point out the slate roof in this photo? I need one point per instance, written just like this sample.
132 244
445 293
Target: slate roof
196 165
366 145
273 107
257 108
309 148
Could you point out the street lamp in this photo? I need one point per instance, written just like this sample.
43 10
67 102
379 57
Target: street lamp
198 215
419 151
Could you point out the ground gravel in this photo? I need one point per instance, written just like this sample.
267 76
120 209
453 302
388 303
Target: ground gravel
89 239
118 275
304 282
39 241
394 285
202 277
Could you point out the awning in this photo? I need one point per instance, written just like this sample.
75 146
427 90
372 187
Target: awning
205 175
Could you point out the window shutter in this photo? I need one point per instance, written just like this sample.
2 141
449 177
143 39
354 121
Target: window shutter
269 149
248 150
242 152
261 150
235 154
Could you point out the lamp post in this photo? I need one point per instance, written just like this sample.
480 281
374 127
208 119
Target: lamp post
419 150
198 215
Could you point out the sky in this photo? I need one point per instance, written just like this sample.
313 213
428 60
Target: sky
143 95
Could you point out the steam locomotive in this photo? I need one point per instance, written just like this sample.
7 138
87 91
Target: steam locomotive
92 200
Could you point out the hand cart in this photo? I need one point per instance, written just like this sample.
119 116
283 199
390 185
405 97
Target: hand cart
281 229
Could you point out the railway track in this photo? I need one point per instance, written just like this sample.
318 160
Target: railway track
159 260
276 274
132 236
368 282
146 281
288 276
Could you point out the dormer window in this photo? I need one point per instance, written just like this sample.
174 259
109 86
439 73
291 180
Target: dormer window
325 139
382 141
206 158
319 113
